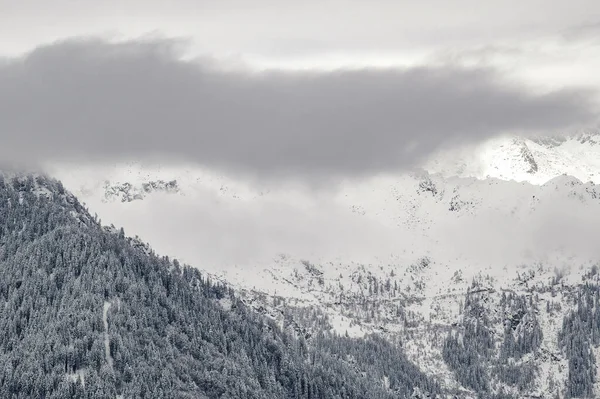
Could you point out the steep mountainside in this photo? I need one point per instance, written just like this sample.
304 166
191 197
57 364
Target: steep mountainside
489 285
89 313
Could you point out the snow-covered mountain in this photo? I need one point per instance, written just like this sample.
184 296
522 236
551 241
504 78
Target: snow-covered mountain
501 235
533 159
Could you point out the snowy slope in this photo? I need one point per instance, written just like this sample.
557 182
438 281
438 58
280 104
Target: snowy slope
392 254
534 160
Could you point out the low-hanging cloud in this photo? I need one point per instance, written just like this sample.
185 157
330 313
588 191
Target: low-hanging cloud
85 99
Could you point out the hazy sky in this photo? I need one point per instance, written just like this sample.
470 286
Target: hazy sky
285 28
103 79
312 32
292 90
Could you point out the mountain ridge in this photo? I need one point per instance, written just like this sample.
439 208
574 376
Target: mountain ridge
89 313
401 255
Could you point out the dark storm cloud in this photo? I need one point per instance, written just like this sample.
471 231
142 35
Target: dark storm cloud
91 99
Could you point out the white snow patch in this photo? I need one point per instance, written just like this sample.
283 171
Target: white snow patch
225 303
344 325
109 358
79 374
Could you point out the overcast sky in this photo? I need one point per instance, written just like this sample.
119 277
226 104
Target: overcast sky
277 28
103 79
312 90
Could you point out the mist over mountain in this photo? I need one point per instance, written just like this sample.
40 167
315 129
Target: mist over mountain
299 199
89 313
483 275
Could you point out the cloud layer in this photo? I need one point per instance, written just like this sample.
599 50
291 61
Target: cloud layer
283 28
87 99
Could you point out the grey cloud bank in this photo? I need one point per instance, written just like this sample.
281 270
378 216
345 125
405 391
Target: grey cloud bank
89 99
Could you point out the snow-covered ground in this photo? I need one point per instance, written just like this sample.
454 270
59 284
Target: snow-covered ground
392 254
384 224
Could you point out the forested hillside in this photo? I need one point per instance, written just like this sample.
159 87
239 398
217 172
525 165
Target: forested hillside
87 313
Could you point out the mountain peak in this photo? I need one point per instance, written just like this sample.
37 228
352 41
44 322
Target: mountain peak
534 159
563 180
